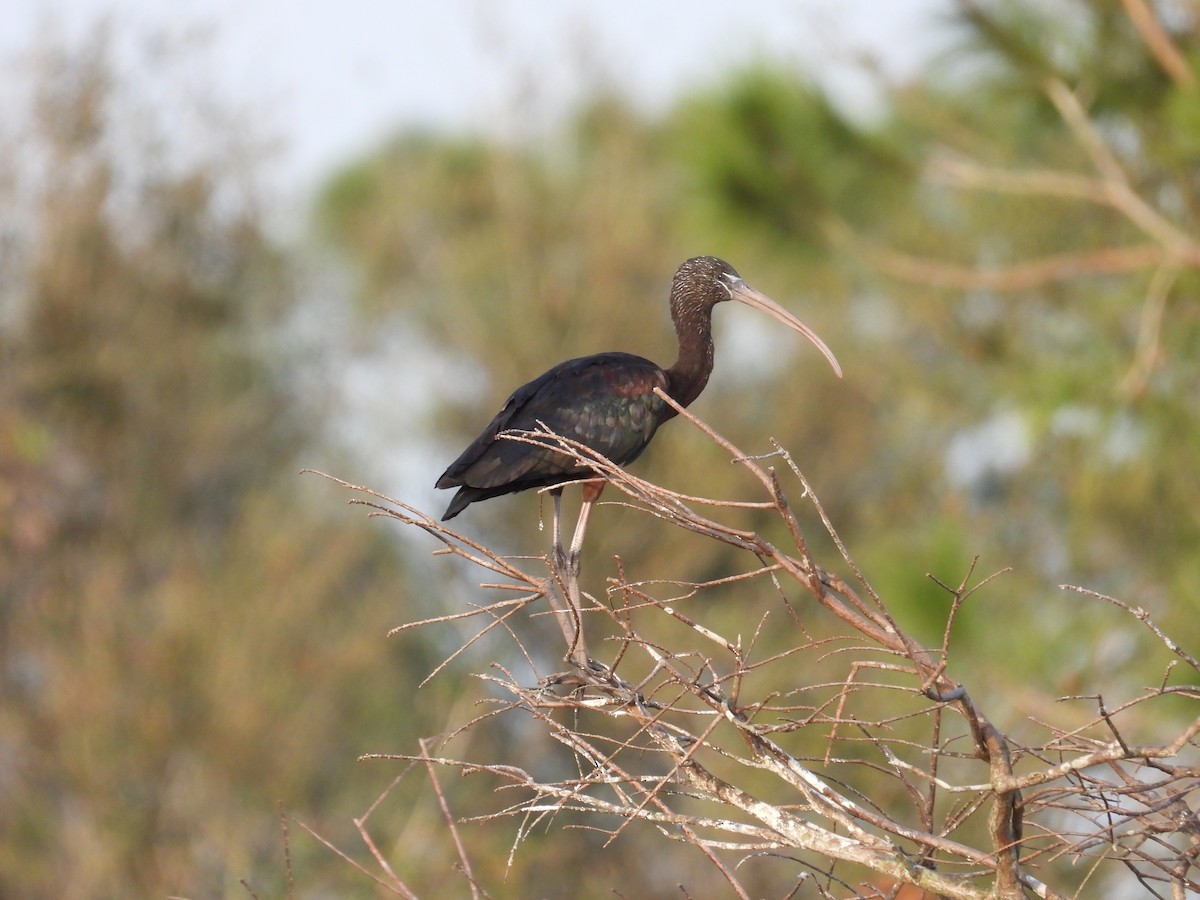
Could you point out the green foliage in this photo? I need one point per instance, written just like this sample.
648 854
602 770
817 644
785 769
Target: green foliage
184 628
770 157
971 309
765 165
189 635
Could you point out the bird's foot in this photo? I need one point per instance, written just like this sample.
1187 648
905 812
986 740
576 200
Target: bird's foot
559 561
567 564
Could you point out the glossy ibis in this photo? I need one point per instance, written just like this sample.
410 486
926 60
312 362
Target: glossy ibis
606 402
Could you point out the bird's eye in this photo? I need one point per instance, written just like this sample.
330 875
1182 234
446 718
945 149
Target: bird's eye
727 280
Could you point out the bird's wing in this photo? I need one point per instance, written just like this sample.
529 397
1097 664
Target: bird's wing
606 402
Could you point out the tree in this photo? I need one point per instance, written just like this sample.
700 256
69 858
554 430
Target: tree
184 631
888 769
1006 243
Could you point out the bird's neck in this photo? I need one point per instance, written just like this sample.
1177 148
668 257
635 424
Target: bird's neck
689 374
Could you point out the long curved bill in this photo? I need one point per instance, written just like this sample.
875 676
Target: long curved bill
743 293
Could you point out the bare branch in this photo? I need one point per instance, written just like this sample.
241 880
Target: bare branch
1117 190
1142 616
662 733
1021 276
1165 53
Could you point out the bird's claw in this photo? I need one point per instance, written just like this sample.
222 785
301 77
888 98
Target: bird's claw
567 564
559 560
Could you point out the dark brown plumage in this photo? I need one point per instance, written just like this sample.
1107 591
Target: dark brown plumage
607 401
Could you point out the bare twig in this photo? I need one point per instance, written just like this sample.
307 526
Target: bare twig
1142 616
1116 189
463 859
649 729
1166 54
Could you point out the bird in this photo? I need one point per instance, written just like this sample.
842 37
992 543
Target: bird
605 402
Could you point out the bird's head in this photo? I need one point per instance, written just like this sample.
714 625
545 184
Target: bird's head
704 281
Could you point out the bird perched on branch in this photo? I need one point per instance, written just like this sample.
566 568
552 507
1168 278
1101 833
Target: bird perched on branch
605 402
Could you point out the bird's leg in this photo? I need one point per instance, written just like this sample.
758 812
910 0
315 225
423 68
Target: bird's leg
569 572
568 617
591 493
560 558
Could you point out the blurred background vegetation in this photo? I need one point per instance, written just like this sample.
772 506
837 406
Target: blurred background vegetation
191 633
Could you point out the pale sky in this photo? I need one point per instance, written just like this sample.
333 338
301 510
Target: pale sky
332 77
